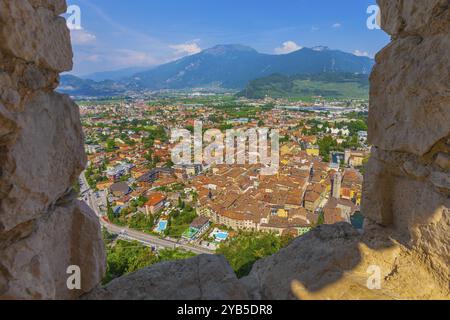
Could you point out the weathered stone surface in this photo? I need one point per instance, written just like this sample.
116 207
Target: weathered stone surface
441 180
8 125
416 170
421 221
377 192
8 91
409 95
43 229
37 168
406 185
335 262
443 161
409 204
36 266
204 277
36 35
431 244
412 17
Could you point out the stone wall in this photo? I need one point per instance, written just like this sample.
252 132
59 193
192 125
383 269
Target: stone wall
405 243
43 228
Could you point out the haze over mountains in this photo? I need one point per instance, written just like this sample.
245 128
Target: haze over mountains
115 74
223 66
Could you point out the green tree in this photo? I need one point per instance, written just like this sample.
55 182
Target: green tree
326 145
110 145
174 254
248 247
124 257
180 220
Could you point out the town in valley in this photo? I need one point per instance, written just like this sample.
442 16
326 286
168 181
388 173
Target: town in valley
140 195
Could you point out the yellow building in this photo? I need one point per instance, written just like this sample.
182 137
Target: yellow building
285 150
350 194
357 160
282 213
313 151
104 185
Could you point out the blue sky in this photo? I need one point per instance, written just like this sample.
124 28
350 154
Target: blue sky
120 34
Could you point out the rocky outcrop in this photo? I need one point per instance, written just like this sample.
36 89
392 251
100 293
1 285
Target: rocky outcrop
407 185
205 277
43 228
331 262
34 32
37 264
402 18
336 262
36 168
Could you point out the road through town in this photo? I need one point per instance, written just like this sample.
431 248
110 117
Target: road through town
133 235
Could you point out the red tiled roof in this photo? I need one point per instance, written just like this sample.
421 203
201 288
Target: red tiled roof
332 216
155 198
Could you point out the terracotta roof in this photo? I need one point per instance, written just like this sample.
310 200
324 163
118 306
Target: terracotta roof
164 182
155 198
299 213
335 203
199 222
332 215
312 196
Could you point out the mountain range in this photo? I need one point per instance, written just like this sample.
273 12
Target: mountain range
114 75
223 66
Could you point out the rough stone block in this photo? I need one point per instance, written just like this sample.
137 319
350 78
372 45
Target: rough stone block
36 266
35 35
205 277
412 17
410 96
45 160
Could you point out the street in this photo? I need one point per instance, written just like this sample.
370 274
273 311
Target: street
129 234
149 240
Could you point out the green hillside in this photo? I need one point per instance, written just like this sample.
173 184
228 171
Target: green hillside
326 85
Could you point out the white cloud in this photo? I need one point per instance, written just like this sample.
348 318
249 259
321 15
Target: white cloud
106 60
82 37
188 48
288 47
336 25
360 53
